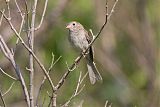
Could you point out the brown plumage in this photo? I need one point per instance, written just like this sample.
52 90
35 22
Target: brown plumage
80 39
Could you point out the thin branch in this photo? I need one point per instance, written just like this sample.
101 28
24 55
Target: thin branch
11 25
8 8
69 67
20 29
106 103
22 22
112 10
77 60
28 49
31 62
78 90
108 16
4 48
9 89
19 10
27 18
44 78
43 14
8 54
83 78
7 74
1 17
4 104
53 63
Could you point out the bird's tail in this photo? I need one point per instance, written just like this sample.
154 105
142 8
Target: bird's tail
94 75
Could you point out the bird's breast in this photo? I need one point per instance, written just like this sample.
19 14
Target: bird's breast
78 40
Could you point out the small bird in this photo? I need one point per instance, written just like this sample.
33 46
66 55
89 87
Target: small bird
80 39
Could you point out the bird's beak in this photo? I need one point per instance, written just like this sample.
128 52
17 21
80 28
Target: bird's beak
68 26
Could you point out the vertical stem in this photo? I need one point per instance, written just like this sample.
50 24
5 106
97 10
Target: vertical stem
54 100
4 104
31 44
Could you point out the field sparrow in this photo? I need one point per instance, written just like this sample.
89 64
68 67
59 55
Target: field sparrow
80 39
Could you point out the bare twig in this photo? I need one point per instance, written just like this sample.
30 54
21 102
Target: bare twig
20 29
69 67
83 78
22 22
27 18
1 17
44 11
112 9
77 90
4 104
8 54
8 8
107 105
107 18
31 62
7 74
8 89
35 57
19 10
9 21
4 48
61 81
44 78
53 63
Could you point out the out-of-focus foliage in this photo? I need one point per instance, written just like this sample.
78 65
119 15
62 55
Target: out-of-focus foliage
127 52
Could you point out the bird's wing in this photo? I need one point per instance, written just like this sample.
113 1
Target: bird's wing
88 36
89 39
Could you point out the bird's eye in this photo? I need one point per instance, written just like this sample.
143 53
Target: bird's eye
73 24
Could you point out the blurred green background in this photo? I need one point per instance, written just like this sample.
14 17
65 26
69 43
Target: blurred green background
126 53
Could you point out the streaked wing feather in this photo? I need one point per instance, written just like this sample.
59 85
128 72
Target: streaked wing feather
89 39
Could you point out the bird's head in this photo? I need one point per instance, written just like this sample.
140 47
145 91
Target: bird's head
74 26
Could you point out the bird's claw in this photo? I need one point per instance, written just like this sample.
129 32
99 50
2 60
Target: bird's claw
84 53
